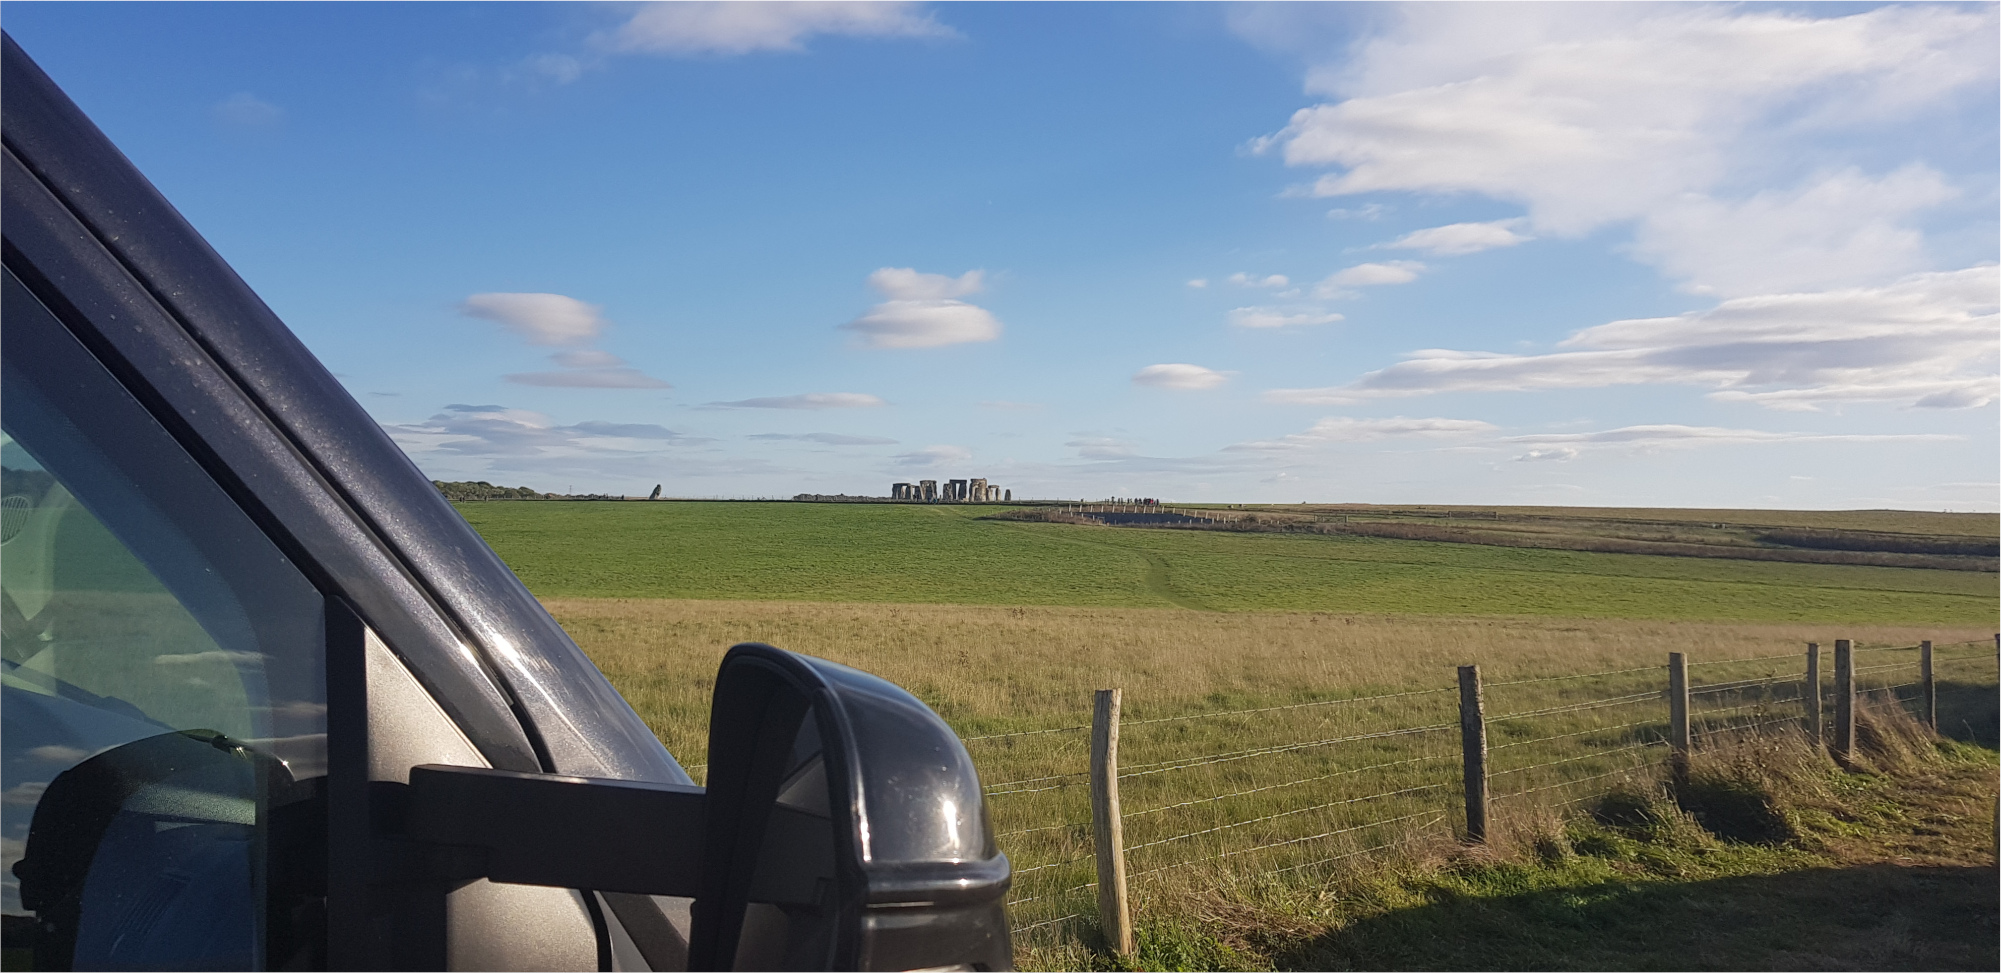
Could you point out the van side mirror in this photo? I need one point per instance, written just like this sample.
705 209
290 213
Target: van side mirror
846 828
843 828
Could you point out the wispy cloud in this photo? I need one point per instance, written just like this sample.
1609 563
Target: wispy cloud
1342 283
554 319
1179 376
923 311
1347 429
1564 446
743 27
934 456
1925 341
498 431
1458 239
248 110
1280 317
810 400
542 319
1269 281
827 438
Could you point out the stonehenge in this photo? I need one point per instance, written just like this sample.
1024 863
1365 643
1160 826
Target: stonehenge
972 490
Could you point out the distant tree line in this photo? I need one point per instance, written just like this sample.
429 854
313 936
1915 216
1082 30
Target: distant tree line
482 490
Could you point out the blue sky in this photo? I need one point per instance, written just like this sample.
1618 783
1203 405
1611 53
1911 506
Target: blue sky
1627 254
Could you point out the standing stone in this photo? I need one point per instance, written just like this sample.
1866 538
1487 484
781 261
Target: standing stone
976 490
929 488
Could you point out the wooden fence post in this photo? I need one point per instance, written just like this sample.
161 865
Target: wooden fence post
1844 699
1811 693
1678 740
1930 685
1108 833
1473 744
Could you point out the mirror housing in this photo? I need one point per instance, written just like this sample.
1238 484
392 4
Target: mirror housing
843 828
846 828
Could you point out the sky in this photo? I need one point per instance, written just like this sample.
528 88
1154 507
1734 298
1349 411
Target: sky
1734 255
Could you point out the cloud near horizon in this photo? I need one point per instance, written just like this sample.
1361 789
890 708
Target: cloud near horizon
923 311
827 438
1566 446
1926 341
810 400
1347 429
934 456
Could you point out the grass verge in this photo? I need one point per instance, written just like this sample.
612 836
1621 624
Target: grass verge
1769 857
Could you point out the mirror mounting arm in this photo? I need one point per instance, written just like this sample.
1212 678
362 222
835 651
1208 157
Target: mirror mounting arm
566 832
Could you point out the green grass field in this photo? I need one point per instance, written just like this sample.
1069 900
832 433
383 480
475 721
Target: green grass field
946 555
1006 627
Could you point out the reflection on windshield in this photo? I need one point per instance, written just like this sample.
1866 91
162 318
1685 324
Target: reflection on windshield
161 690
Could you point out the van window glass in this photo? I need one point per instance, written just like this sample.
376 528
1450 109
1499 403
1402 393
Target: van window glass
162 688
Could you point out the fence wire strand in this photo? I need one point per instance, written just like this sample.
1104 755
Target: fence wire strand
1574 733
1579 707
1270 709
1284 814
1185 763
1281 844
1290 783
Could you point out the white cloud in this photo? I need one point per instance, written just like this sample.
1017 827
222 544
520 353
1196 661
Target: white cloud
1927 340
617 377
244 108
1556 454
744 27
1101 448
810 400
1278 317
543 319
553 319
1271 281
1564 446
1838 228
1347 429
1183 377
906 284
1455 239
1338 283
934 456
1199 282
921 311
1654 114
496 431
827 438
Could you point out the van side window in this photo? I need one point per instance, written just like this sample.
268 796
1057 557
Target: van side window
162 687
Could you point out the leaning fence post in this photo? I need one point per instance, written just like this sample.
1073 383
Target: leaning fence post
1930 686
1678 714
1107 832
1473 743
1844 699
1812 693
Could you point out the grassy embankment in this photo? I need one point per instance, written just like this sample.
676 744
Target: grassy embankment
1057 610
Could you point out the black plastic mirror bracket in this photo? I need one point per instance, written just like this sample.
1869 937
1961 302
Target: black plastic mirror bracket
547 829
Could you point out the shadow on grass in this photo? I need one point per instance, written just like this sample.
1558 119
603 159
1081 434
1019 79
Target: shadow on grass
1969 712
1871 917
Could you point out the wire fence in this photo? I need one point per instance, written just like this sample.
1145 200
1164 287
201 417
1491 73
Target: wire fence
1273 793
